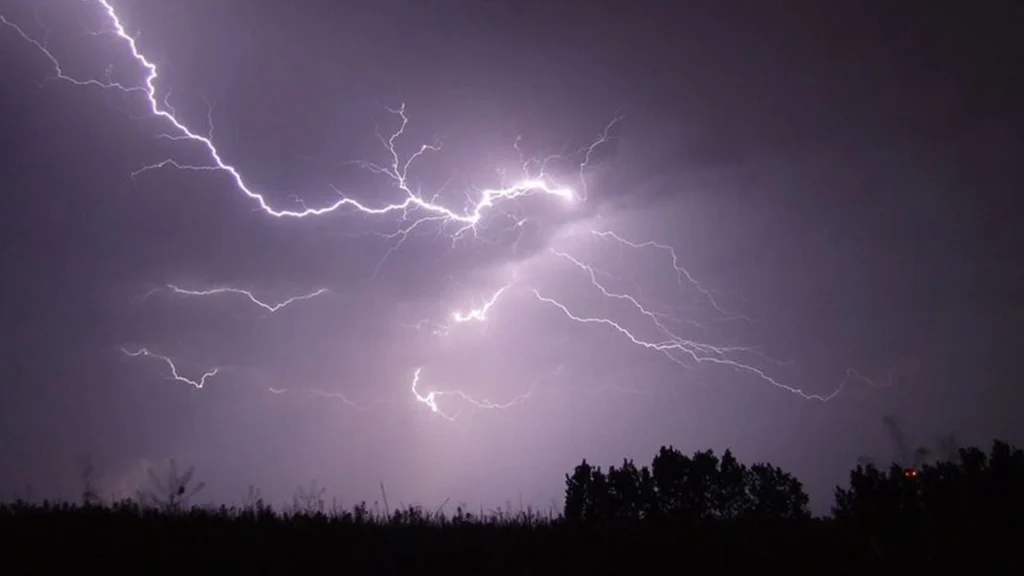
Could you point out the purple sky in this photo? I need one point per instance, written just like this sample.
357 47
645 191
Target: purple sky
837 181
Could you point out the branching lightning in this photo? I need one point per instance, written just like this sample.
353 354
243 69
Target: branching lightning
413 210
677 350
397 170
682 275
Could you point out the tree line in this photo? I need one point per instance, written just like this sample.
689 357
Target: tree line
681 488
705 487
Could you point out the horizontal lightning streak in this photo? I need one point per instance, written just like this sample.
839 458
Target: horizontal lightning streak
430 399
174 369
345 400
252 298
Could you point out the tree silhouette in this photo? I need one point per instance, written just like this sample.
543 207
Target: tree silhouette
976 498
685 486
776 494
683 489
631 492
579 494
173 492
733 499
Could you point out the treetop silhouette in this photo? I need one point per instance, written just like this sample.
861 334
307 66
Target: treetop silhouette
680 488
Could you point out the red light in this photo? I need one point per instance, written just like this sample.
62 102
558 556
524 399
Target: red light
910 473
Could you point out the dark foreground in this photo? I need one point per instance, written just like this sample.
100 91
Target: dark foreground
38 539
702 514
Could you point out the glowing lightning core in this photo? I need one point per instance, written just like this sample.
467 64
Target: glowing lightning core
480 314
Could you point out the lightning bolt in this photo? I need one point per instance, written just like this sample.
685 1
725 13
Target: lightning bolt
480 314
249 295
397 170
345 400
318 393
672 348
682 275
198 384
415 211
430 398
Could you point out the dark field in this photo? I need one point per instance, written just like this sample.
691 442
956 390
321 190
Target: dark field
681 514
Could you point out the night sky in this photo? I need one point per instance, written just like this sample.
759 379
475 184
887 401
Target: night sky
839 180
